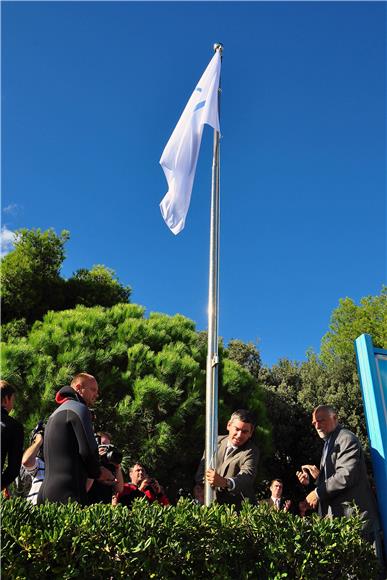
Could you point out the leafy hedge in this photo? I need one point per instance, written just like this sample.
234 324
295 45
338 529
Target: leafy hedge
100 542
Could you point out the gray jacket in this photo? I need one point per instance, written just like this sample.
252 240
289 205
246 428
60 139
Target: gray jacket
241 465
344 477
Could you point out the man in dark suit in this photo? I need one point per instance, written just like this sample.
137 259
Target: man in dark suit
237 461
12 435
276 500
342 477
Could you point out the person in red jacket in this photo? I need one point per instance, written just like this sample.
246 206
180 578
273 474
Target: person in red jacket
141 485
153 491
127 496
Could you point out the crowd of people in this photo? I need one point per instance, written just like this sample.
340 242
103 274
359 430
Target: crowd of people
67 461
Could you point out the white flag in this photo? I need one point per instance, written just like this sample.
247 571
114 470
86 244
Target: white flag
181 153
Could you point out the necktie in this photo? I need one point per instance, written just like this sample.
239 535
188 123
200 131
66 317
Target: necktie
324 457
277 504
228 451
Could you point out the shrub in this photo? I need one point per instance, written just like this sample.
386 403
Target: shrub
188 540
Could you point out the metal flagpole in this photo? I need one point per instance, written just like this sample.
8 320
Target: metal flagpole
213 300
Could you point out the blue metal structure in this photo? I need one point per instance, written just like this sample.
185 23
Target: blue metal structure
372 367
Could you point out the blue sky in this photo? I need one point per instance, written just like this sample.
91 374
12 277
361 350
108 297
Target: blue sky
91 92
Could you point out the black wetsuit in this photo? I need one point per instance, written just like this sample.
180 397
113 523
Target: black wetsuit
12 436
70 451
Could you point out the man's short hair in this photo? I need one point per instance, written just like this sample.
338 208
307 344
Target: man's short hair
79 378
276 479
137 463
7 390
325 409
243 415
104 434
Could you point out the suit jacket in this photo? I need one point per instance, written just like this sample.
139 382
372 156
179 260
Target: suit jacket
241 465
344 477
270 502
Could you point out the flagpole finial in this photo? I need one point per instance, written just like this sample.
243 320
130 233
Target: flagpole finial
218 46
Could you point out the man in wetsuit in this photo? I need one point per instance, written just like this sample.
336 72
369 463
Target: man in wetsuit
70 448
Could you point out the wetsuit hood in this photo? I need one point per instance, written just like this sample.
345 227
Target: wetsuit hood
68 394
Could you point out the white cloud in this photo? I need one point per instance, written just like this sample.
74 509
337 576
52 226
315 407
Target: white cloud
12 208
7 239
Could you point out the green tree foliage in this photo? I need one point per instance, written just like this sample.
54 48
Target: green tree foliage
30 280
246 355
98 286
151 373
350 320
31 283
14 329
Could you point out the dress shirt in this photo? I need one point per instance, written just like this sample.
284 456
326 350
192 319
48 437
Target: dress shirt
324 459
276 501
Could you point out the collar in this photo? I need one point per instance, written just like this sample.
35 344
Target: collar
68 394
333 433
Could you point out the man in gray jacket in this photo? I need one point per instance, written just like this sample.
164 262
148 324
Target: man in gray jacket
237 461
342 477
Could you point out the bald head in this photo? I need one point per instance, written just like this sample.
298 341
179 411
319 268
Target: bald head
324 420
86 386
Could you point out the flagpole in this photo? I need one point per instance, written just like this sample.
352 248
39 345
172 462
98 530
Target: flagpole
211 444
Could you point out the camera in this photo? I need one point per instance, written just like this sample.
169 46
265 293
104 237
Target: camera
151 485
111 456
38 430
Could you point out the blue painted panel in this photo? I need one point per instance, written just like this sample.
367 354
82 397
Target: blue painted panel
381 366
372 366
